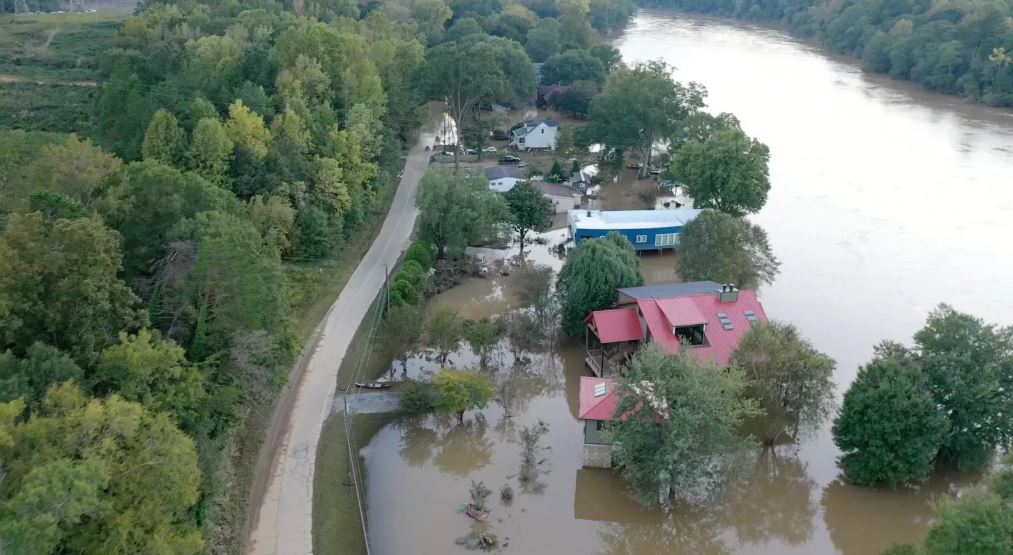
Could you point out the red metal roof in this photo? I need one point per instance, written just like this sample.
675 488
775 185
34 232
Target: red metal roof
597 408
616 325
720 342
681 311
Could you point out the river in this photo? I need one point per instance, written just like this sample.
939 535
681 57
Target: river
886 200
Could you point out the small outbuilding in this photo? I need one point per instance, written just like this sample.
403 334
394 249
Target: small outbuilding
598 402
645 229
503 178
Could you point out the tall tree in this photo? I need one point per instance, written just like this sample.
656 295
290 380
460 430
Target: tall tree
460 391
466 76
402 331
210 151
164 140
889 428
640 106
529 210
455 211
970 367
720 247
792 381
97 476
573 65
28 378
590 277
59 284
726 171
444 332
678 434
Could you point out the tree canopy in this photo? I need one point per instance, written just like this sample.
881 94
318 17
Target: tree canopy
460 391
678 433
591 276
529 210
720 247
726 171
455 211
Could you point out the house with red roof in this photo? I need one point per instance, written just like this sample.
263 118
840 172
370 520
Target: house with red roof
704 316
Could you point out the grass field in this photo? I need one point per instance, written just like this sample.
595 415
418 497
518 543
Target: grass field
49 68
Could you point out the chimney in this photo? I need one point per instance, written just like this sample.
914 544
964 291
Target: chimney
728 294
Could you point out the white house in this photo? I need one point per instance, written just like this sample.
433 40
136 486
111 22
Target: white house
563 197
503 178
534 134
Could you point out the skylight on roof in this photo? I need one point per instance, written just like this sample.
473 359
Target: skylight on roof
751 316
600 389
726 322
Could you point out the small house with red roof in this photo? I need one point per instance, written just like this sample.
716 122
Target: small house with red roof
598 401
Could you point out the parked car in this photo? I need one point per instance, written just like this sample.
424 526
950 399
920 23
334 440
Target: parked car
470 151
634 166
654 171
489 149
509 160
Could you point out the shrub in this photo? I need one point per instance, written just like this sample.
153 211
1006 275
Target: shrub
421 252
417 398
405 291
412 272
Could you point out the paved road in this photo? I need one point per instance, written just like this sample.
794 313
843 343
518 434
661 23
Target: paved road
283 522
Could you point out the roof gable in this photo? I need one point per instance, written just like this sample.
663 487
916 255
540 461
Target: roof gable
597 407
616 325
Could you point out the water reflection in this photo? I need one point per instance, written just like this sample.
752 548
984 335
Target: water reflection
775 502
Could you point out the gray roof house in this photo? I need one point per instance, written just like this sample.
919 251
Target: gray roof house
503 178
534 134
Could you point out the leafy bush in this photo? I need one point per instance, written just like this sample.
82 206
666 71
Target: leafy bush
421 252
417 398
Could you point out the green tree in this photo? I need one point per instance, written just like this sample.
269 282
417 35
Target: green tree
59 283
790 380
720 247
978 522
150 202
97 476
543 40
639 106
727 171
164 140
246 129
431 16
402 331
590 277
146 369
455 211
970 367
889 428
421 252
529 210
210 151
75 168
482 336
466 76
678 435
460 391
444 332
576 99
28 378
573 65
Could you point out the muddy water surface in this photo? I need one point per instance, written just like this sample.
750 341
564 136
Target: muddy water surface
886 201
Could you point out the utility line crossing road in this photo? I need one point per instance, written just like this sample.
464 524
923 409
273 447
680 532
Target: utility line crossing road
283 521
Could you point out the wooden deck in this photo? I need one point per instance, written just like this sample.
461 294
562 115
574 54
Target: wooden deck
594 361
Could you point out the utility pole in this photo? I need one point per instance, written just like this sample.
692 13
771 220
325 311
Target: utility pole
386 289
21 7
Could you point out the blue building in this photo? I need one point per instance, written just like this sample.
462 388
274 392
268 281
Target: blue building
645 229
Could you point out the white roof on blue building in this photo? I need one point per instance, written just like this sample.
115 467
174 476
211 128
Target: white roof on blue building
631 219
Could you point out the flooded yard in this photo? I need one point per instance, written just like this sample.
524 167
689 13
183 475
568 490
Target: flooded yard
885 201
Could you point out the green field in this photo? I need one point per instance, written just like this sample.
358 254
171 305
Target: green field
49 69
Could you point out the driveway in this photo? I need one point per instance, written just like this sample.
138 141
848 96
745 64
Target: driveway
283 496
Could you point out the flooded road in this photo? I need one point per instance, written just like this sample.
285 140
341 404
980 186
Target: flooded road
886 200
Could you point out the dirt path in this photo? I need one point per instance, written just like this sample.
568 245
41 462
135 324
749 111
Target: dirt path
7 78
282 499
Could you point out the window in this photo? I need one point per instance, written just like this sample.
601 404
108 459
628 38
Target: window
543 131
693 335
599 425
521 141
666 240
641 238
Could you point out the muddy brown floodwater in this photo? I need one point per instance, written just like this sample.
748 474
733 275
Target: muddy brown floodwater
886 200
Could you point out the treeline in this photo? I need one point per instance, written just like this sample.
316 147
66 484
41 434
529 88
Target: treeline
963 48
150 273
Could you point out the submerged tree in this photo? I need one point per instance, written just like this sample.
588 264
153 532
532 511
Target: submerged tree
460 391
444 332
678 433
889 428
720 247
792 381
590 277
727 171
